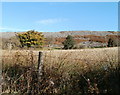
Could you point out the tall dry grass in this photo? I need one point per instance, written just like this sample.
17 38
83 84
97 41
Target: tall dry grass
83 72
79 72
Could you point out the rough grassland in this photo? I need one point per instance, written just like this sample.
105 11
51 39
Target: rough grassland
53 57
65 72
96 55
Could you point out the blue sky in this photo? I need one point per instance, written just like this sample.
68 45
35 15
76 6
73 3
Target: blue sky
61 16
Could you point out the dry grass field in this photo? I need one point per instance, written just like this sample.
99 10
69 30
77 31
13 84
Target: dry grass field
97 54
88 71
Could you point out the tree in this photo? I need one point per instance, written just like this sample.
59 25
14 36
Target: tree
113 42
110 43
69 42
31 38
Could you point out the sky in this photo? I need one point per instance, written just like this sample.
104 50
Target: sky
59 16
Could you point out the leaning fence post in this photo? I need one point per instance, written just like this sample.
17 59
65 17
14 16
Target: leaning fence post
40 65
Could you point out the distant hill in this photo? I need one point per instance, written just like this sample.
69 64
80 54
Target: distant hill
64 33
7 34
55 39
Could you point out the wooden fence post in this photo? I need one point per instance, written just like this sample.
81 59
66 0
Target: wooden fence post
40 65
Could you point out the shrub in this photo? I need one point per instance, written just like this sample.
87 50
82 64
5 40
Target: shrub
31 38
69 42
112 42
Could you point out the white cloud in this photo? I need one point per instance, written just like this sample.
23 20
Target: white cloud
11 29
51 21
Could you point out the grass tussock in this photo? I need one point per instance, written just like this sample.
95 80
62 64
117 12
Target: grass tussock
63 74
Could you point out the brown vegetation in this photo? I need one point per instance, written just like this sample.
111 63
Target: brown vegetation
68 72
